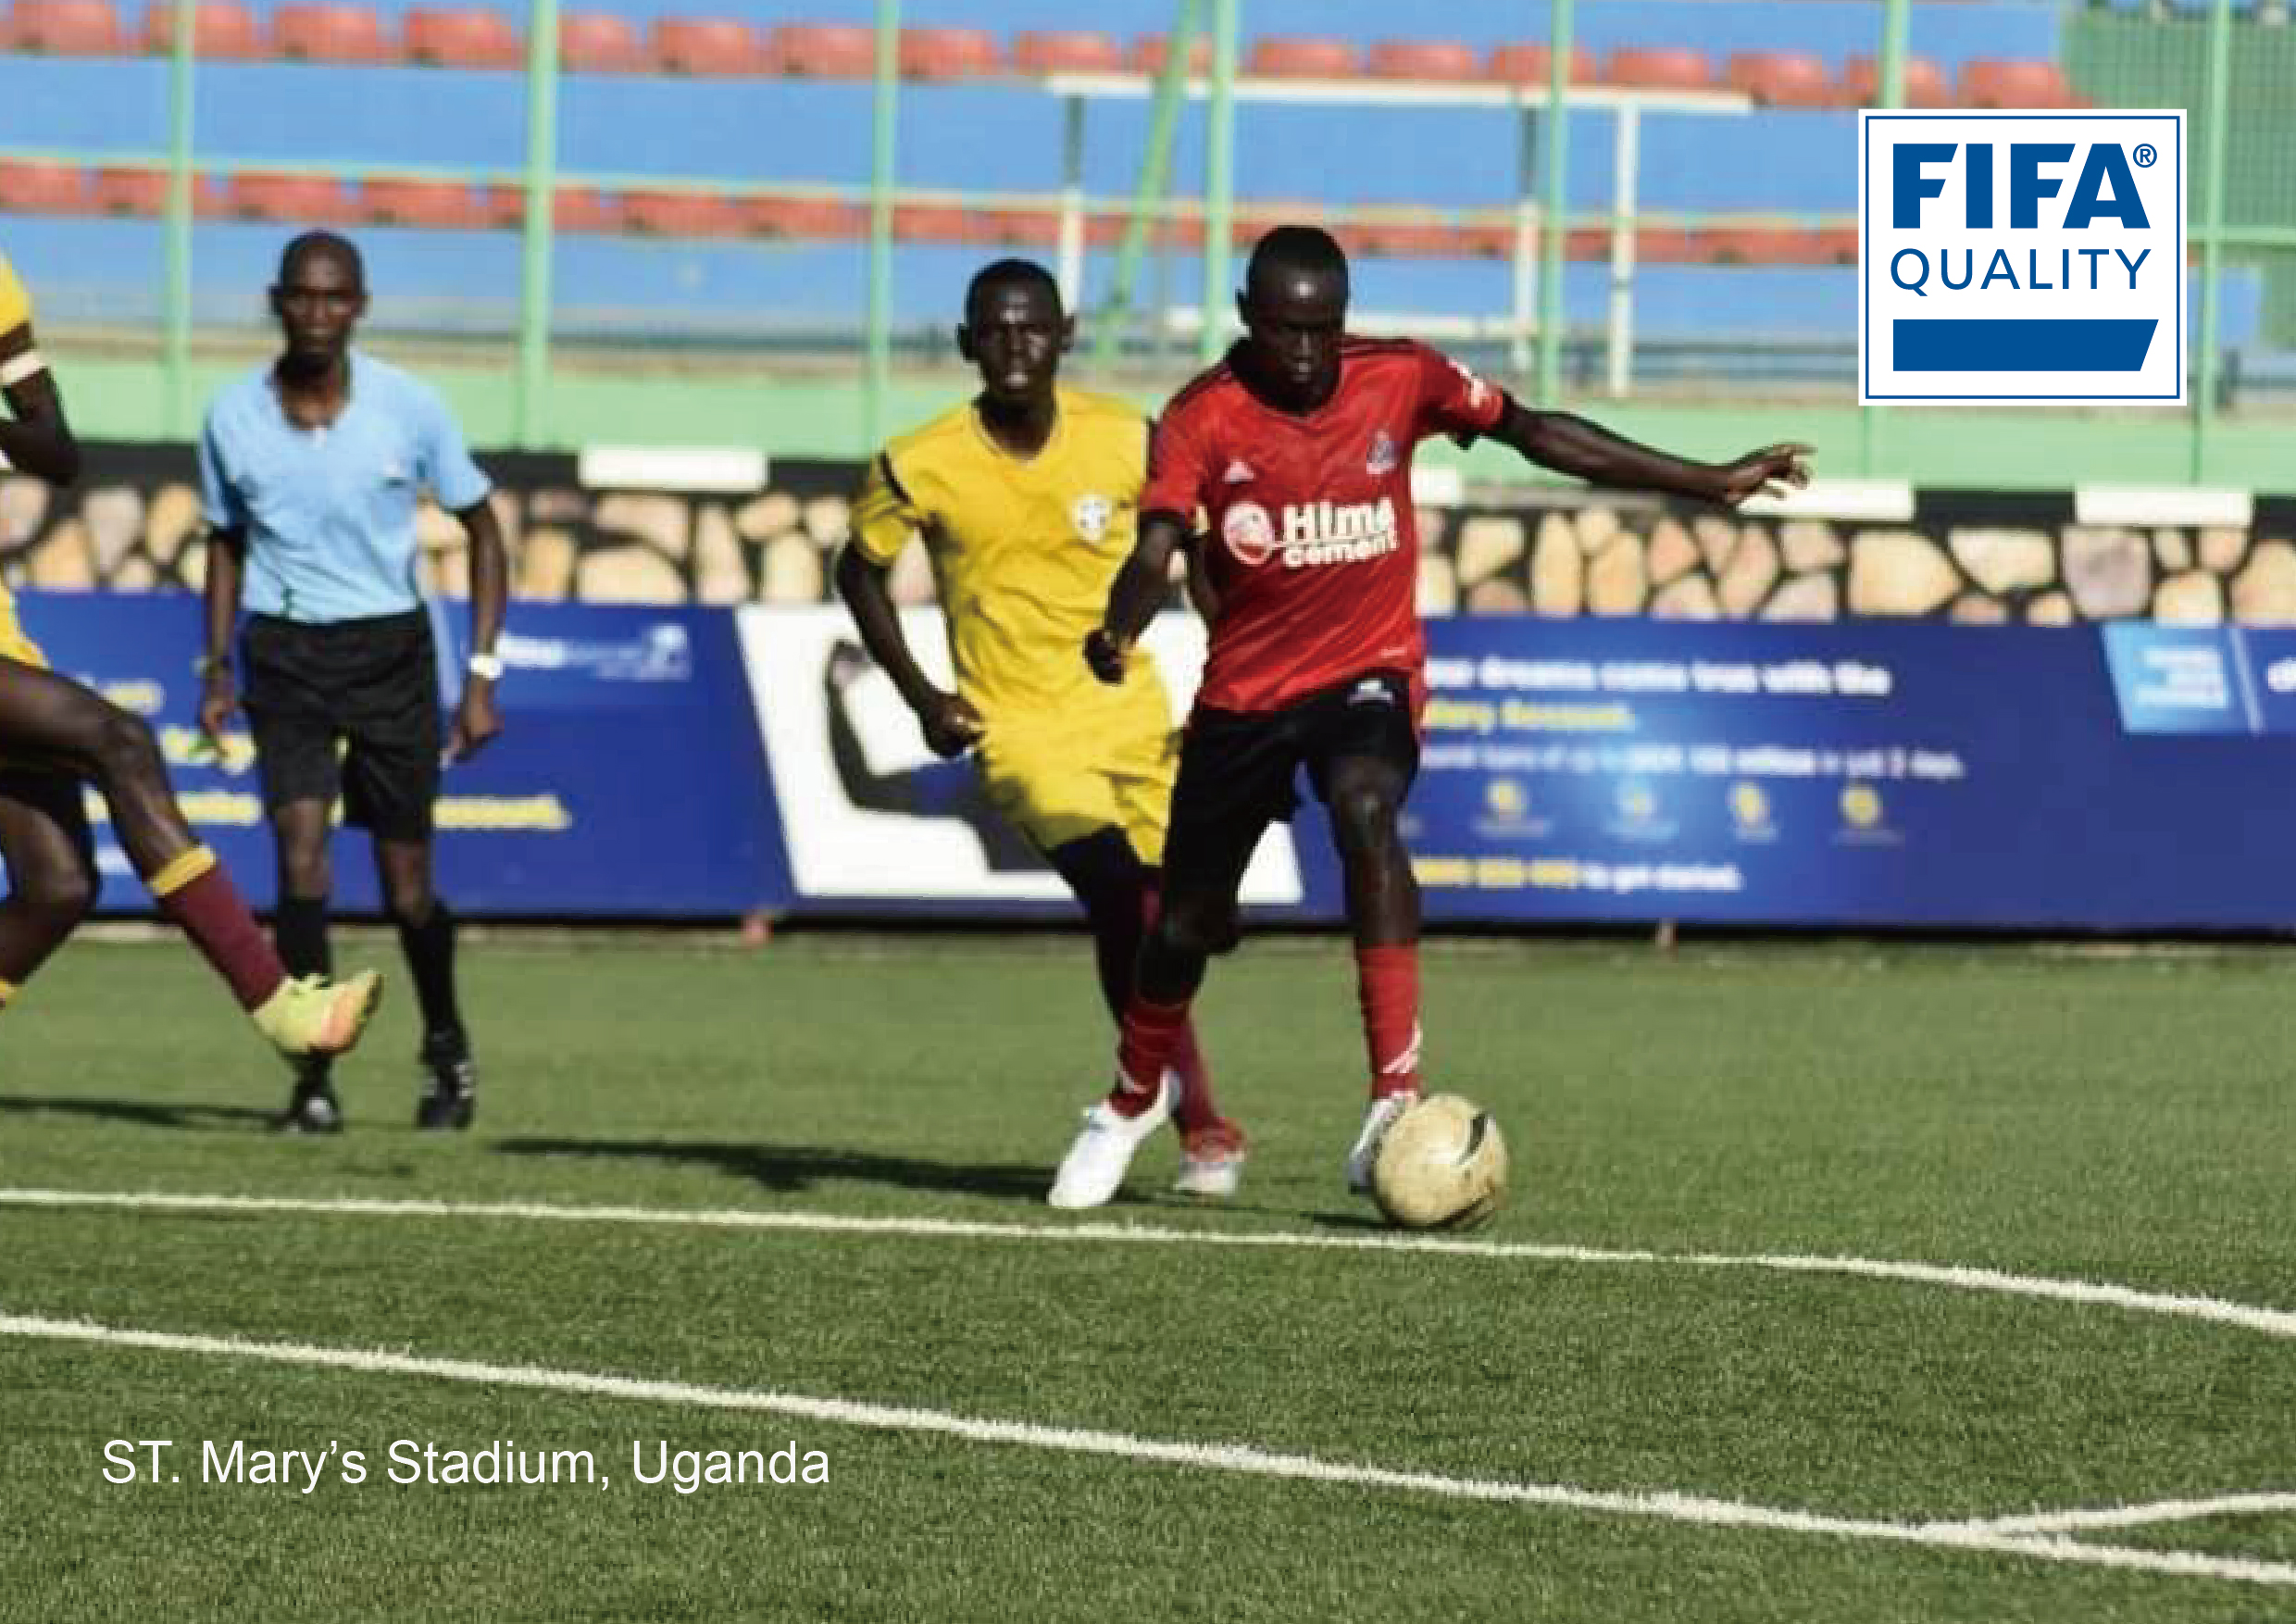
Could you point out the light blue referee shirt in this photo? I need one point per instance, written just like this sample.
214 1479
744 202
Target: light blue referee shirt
329 513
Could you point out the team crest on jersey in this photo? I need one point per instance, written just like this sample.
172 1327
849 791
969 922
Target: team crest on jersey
1380 460
1238 472
1091 515
1249 533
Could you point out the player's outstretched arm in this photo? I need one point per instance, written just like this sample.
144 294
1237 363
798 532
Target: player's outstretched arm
1139 591
218 695
951 725
1588 451
35 437
476 720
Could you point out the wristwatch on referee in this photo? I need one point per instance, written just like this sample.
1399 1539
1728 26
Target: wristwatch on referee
488 666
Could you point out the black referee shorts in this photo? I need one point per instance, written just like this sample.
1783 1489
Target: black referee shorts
1237 771
349 708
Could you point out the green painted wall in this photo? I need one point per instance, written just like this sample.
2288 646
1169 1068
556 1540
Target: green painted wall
819 414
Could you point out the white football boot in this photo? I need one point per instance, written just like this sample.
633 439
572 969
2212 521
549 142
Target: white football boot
1093 1170
1375 1122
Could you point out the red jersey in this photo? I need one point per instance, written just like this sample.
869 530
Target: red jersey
1313 542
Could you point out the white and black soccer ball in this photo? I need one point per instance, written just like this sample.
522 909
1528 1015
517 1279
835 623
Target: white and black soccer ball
1441 1164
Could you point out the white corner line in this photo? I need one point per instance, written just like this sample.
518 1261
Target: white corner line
2147 1516
1239 1459
2272 1322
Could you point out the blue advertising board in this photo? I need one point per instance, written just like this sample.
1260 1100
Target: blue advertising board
628 780
1856 774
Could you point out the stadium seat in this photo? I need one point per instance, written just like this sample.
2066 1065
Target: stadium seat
1781 78
66 28
28 187
130 192
708 47
1659 67
298 200
1746 244
312 30
1924 84
810 218
823 50
1447 59
1415 235
933 222
947 53
438 204
572 208
2003 81
1832 245
1529 63
222 31
682 214
1301 57
1067 51
598 42
461 36
1020 228
1661 245
1149 51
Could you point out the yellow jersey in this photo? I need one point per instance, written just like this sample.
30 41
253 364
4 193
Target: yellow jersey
1023 550
15 312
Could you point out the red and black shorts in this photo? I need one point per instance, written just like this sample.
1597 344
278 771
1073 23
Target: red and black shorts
1239 771
348 707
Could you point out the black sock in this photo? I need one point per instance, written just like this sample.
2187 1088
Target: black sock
430 948
299 931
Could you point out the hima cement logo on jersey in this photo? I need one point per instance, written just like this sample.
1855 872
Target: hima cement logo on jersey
1315 533
2012 256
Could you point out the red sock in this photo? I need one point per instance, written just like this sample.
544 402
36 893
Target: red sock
1149 1037
1387 987
1196 1109
196 894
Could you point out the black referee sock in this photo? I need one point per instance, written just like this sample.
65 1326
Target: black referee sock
299 931
430 948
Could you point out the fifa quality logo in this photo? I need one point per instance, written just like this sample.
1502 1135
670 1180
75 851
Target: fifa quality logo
2021 256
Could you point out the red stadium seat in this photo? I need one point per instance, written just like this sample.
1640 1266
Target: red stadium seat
947 53
1019 227
1832 245
2003 81
1448 59
300 200
1781 78
1528 65
1304 56
597 41
1661 245
682 214
823 50
1924 84
933 222
222 31
66 28
809 218
131 192
1660 67
1418 236
439 205
709 47
1745 245
1149 52
460 36
313 30
1067 51
26 188
572 208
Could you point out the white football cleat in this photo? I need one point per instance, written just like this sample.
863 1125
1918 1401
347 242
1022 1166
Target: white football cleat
1092 1172
1375 1122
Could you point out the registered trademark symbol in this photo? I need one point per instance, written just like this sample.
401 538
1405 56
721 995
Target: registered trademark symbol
2147 156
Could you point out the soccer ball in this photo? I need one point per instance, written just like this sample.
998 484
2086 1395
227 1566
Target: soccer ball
1441 1165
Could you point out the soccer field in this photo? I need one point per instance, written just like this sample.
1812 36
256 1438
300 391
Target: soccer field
1838 1282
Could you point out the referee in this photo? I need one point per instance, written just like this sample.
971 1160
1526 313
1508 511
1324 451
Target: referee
310 469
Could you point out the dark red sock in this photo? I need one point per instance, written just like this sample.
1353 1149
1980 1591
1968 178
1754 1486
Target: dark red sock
196 893
1196 1109
1387 987
1150 1035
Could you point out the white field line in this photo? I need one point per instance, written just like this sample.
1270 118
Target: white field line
1239 1458
2274 1322
2159 1511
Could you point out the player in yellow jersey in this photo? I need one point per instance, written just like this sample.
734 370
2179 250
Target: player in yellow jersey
1024 497
57 735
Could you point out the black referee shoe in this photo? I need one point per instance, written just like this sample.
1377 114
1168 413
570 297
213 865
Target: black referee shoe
453 1097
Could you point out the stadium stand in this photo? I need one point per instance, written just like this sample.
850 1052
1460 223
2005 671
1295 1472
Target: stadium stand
66 28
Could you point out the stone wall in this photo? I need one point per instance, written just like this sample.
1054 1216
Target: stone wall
134 523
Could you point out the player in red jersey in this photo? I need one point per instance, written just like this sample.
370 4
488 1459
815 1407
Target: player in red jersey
1298 449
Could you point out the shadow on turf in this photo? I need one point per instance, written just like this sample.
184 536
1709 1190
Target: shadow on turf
787 1169
141 1113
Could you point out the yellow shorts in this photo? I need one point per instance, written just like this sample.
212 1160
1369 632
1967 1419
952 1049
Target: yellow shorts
1062 785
